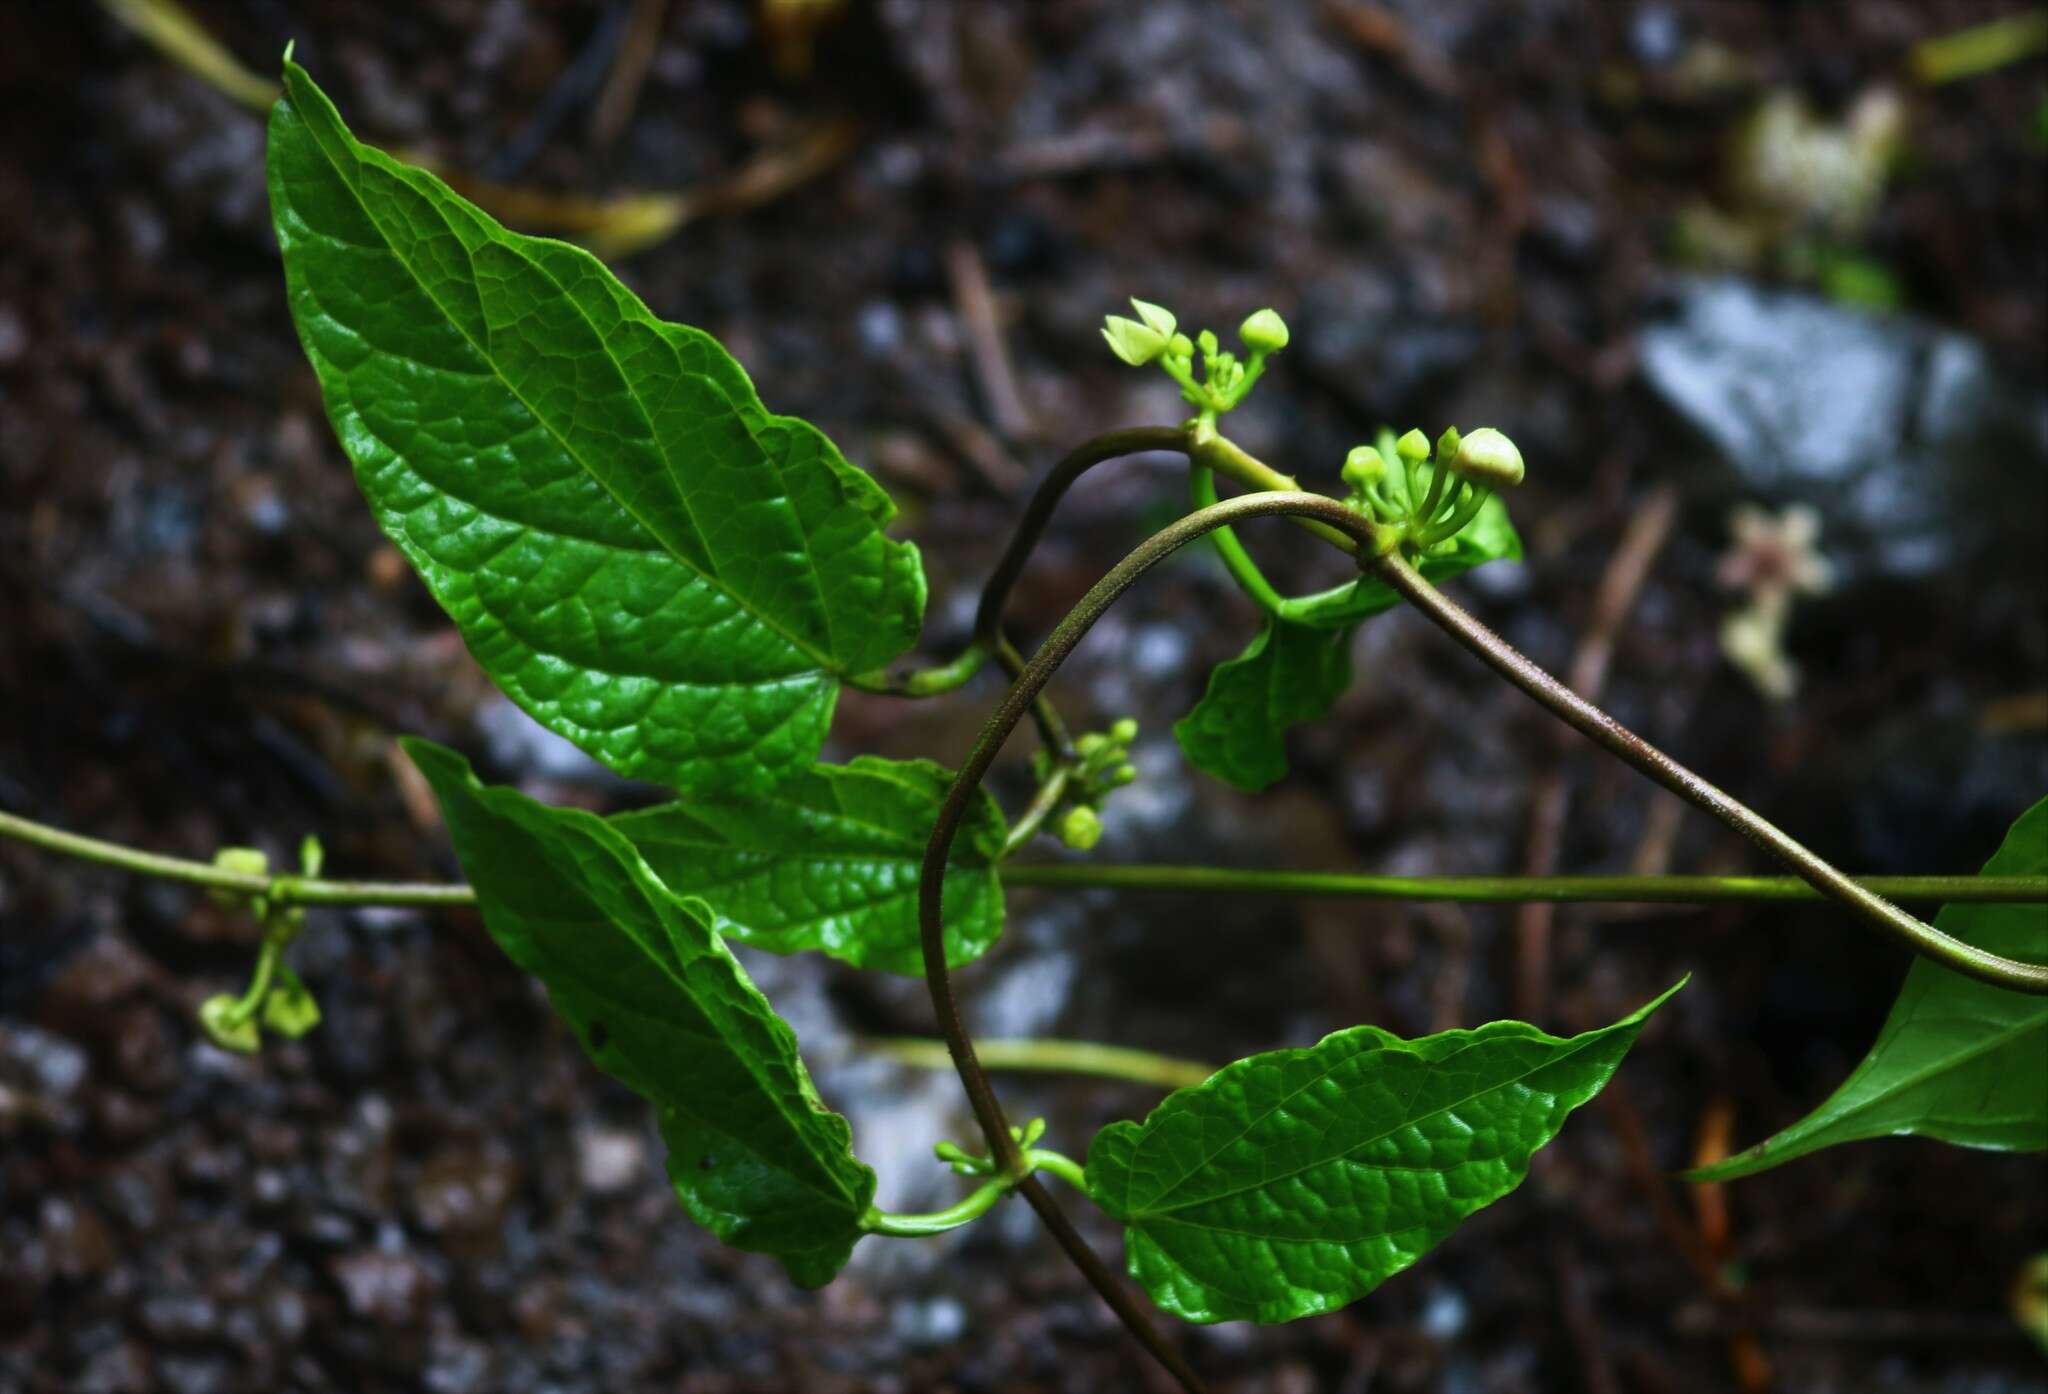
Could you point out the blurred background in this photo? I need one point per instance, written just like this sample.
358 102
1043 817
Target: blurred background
1757 288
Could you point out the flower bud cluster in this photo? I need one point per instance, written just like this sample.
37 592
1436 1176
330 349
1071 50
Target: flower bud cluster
1427 495
1102 766
1155 337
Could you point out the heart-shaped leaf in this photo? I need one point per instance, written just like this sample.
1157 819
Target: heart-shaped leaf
1290 673
830 861
1957 1059
636 551
659 1002
1293 1182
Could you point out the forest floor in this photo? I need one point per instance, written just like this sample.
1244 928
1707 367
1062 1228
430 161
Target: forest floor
1469 213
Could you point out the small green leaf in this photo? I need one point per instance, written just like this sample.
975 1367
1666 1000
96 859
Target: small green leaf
634 548
1290 673
1295 1181
830 861
1490 536
660 1003
288 1008
1957 1059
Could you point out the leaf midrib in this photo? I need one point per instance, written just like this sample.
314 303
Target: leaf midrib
1156 1210
361 152
1922 1075
567 968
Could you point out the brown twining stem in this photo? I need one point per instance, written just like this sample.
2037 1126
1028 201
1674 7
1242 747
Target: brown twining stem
1604 731
1031 526
988 1112
1549 801
1045 500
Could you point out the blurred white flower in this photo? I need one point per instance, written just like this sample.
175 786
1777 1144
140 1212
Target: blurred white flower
1771 559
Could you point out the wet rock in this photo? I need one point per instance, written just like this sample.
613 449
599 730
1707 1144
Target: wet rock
121 1118
517 743
137 1196
462 1192
179 1318
456 1366
209 1169
76 1238
1894 428
193 1374
356 1163
392 1289
930 1321
145 1054
608 1159
119 1369
22 1277
105 971
47 1064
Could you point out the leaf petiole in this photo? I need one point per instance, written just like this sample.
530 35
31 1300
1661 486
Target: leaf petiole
975 1203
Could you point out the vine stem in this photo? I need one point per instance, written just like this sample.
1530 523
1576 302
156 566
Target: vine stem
1515 890
1641 890
1604 731
974 1204
988 1111
1062 1057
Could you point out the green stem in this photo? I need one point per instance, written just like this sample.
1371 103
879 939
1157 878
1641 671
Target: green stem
1604 731
1063 1057
279 890
259 982
976 1203
988 1111
1039 809
1236 560
925 682
299 890
1516 890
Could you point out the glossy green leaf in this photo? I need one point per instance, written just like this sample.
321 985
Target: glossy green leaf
1490 536
830 861
1296 1181
1957 1059
659 1002
637 551
1290 673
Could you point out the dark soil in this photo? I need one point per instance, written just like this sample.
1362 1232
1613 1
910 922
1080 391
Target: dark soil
1464 211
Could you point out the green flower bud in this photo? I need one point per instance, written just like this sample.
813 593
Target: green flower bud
288 1008
1156 317
1081 828
247 860
1206 341
1122 775
217 1018
1091 743
1180 347
1487 457
1136 344
1263 332
1447 445
1124 730
1412 447
1363 468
